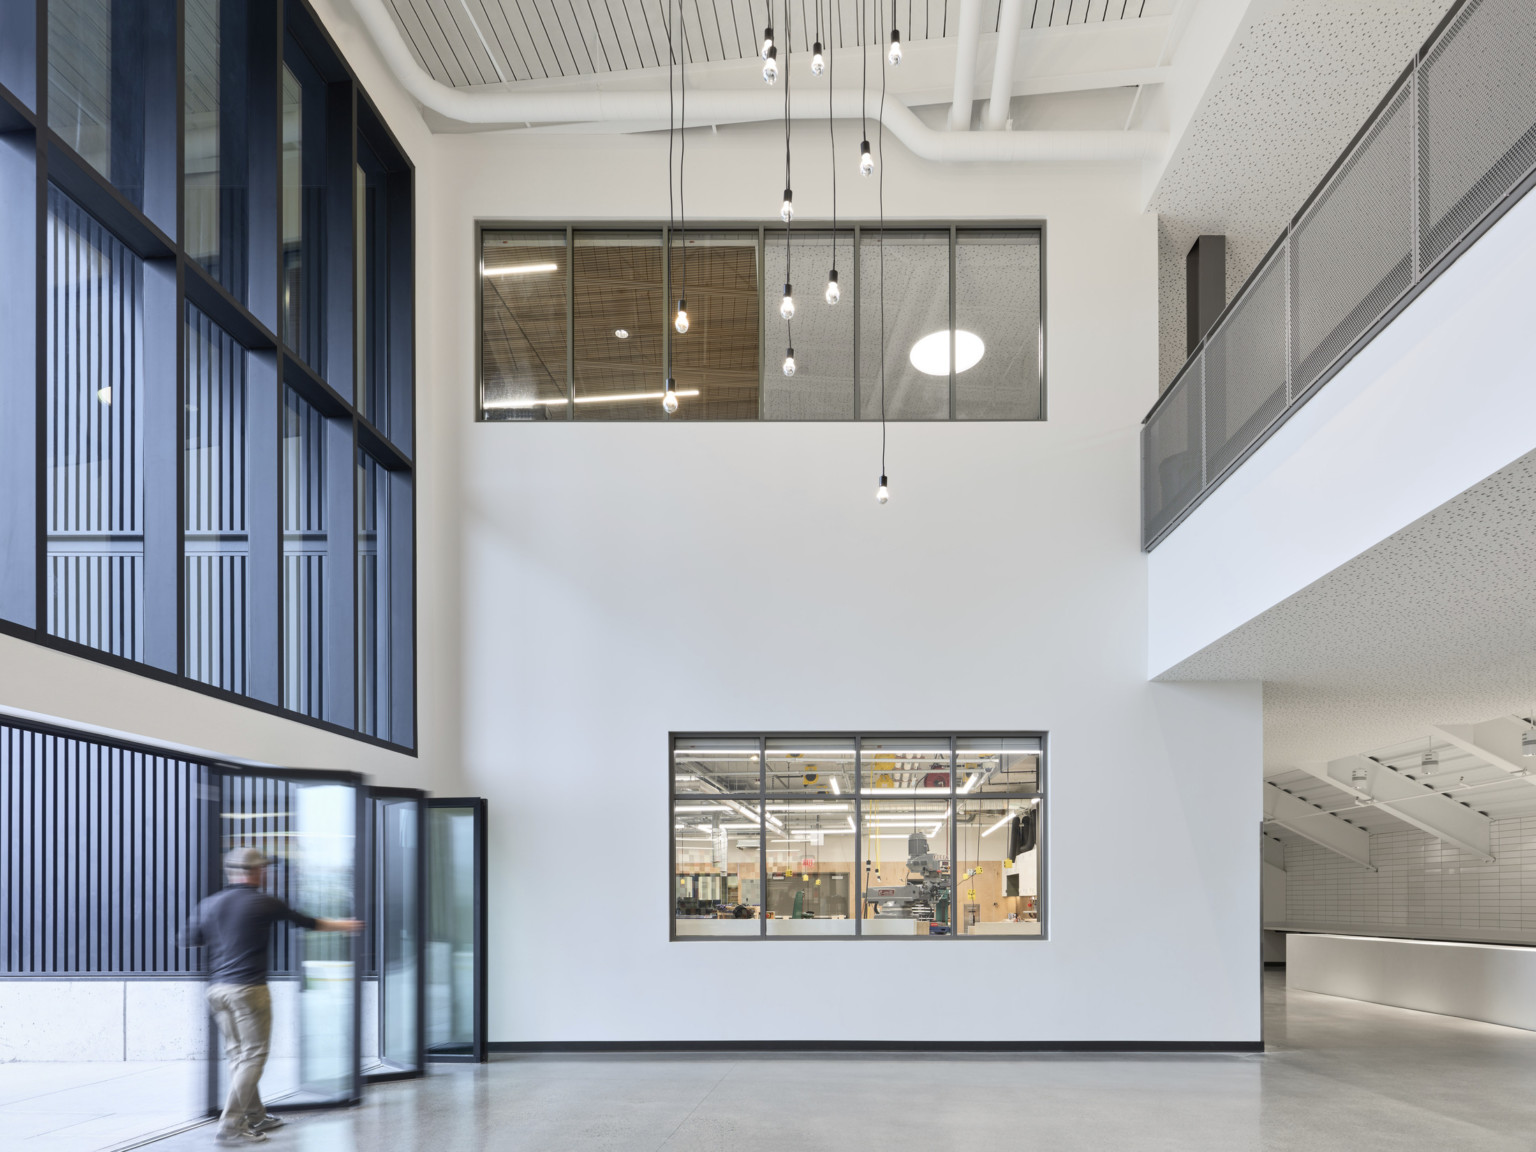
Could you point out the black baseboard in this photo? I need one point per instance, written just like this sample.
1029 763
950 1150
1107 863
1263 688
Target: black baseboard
936 1047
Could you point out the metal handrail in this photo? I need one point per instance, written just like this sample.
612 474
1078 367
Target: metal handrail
1158 521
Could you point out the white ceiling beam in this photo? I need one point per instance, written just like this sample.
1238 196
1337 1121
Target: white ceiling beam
1411 801
1316 824
1495 741
965 66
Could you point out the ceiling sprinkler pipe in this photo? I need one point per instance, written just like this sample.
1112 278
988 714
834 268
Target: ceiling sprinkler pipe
621 108
965 65
1010 27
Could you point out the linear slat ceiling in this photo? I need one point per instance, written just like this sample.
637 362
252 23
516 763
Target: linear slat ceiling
465 43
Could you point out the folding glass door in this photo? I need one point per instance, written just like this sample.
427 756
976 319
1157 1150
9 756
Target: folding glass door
455 1001
394 972
309 824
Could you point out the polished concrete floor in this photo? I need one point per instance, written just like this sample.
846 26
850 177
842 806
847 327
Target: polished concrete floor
1339 1074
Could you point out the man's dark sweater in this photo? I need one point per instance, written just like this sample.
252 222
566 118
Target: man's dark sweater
236 923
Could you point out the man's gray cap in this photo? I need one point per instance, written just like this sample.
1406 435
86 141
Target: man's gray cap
244 859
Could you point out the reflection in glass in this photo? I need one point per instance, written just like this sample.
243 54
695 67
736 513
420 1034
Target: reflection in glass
822 386
618 286
523 329
904 841
303 95
997 765
371 250
816 766
325 844
997 297
95 434
998 867
451 1007
717 885
81 87
215 542
717 273
374 598
304 556
393 929
214 184
916 305
812 860
705 767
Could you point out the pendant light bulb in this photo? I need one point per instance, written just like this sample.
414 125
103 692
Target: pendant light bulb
818 61
787 305
866 160
669 398
882 493
787 209
789 362
767 43
894 55
834 293
681 323
771 65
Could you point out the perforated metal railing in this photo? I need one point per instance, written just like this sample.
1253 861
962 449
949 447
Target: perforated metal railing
1450 148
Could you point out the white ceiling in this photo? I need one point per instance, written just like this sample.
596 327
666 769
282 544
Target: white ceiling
1432 626
468 43
1297 83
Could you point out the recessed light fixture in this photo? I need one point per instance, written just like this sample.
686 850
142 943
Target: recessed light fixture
104 394
621 333
930 355
520 269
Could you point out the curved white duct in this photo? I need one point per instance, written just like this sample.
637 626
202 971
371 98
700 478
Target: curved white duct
965 65
707 107
1010 27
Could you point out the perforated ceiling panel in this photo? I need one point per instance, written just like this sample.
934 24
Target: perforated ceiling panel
1296 86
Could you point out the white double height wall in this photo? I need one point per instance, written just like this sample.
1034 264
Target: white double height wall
624 581
1438 401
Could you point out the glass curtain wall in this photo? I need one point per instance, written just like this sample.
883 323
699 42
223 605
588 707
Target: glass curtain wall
579 324
456 973
837 836
180 485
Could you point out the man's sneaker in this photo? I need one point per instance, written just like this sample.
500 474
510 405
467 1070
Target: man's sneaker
240 1136
267 1123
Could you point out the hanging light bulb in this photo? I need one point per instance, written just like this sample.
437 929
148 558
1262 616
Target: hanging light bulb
767 42
789 362
818 61
866 160
882 493
669 398
787 209
787 305
771 65
834 293
681 323
894 55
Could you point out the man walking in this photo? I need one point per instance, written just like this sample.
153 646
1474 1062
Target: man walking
235 924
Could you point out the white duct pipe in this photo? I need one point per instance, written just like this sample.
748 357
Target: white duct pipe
1010 27
708 107
965 65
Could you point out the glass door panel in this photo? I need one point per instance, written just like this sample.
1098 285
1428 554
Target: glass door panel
455 1002
307 825
392 985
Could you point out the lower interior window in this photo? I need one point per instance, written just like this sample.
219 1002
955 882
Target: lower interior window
930 836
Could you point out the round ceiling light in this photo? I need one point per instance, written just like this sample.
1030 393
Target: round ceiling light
621 333
930 355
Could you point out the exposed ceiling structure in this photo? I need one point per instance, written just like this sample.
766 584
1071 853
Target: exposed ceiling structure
1432 626
465 43
1299 80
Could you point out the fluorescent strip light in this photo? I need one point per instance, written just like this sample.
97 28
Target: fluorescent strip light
998 825
971 783
703 808
828 807
520 269
615 398
738 827
877 793
851 828
836 789
712 753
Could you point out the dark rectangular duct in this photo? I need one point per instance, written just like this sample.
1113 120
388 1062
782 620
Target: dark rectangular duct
1205 270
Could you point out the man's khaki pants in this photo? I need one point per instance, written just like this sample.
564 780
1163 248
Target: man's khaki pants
244 1014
